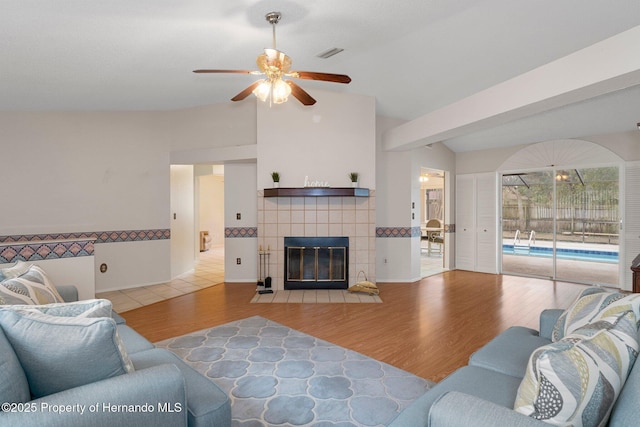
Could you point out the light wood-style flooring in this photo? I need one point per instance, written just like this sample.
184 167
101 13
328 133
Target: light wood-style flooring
429 328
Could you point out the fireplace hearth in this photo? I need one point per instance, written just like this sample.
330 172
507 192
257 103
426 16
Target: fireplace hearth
316 263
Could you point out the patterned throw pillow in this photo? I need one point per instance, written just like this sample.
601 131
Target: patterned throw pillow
31 287
84 308
60 353
591 305
576 381
17 269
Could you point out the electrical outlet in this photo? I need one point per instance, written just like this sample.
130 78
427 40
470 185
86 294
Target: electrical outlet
238 261
238 216
385 260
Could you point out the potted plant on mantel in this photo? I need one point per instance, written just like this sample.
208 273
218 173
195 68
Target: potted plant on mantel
353 176
275 176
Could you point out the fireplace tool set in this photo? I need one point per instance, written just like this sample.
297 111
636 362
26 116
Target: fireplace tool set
264 283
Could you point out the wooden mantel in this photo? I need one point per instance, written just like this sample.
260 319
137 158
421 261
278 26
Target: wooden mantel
316 192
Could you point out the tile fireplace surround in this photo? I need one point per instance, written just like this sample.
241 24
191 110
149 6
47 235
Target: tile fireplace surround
353 217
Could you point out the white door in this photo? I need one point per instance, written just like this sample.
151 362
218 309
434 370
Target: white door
465 222
486 220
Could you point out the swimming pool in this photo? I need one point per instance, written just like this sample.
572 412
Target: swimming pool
563 253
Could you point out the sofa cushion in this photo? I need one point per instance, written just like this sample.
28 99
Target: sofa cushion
486 384
58 353
207 404
576 380
31 287
133 342
591 305
13 382
509 352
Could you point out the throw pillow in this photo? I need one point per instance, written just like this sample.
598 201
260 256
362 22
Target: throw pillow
59 353
84 308
31 287
576 381
591 305
17 269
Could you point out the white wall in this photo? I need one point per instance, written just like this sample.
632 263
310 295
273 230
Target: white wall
240 197
324 142
108 171
398 189
182 220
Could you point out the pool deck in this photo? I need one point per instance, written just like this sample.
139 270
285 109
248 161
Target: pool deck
568 245
583 271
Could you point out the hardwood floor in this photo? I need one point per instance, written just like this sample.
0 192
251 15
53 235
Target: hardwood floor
429 328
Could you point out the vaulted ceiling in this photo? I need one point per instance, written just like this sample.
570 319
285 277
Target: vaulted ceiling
415 57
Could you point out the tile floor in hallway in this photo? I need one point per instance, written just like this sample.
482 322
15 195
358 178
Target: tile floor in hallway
208 271
430 263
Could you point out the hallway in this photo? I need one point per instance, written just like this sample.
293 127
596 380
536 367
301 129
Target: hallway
208 271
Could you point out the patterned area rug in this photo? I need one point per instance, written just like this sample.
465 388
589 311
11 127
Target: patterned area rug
278 376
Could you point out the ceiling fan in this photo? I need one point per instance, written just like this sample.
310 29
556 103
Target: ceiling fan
275 65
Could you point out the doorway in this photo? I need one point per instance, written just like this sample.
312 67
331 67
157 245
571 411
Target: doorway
209 216
432 220
562 224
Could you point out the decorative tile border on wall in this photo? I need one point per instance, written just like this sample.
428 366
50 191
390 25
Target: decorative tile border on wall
233 232
34 247
46 250
98 236
408 231
397 231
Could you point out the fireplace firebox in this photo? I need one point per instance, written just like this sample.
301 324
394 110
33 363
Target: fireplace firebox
316 263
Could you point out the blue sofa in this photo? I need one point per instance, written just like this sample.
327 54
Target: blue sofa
161 391
483 393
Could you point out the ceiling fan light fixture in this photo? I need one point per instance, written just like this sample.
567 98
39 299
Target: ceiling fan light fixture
277 91
263 90
275 65
280 91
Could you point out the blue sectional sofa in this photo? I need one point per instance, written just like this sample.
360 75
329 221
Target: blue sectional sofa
160 391
484 392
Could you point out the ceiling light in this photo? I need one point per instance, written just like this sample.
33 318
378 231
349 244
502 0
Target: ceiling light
276 90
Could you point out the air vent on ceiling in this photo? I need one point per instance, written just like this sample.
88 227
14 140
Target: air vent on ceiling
329 53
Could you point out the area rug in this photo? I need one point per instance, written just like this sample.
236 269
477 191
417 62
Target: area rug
316 296
277 376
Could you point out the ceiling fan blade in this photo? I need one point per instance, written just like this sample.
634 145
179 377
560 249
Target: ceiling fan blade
225 71
327 77
300 94
246 92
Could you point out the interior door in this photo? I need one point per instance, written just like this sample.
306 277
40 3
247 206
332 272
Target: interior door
465 222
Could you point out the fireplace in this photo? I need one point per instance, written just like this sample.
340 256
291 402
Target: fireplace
316 262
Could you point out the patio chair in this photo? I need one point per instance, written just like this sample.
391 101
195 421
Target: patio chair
434 236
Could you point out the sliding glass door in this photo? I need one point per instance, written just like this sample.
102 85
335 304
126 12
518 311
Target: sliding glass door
587 225
562 224
527 223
